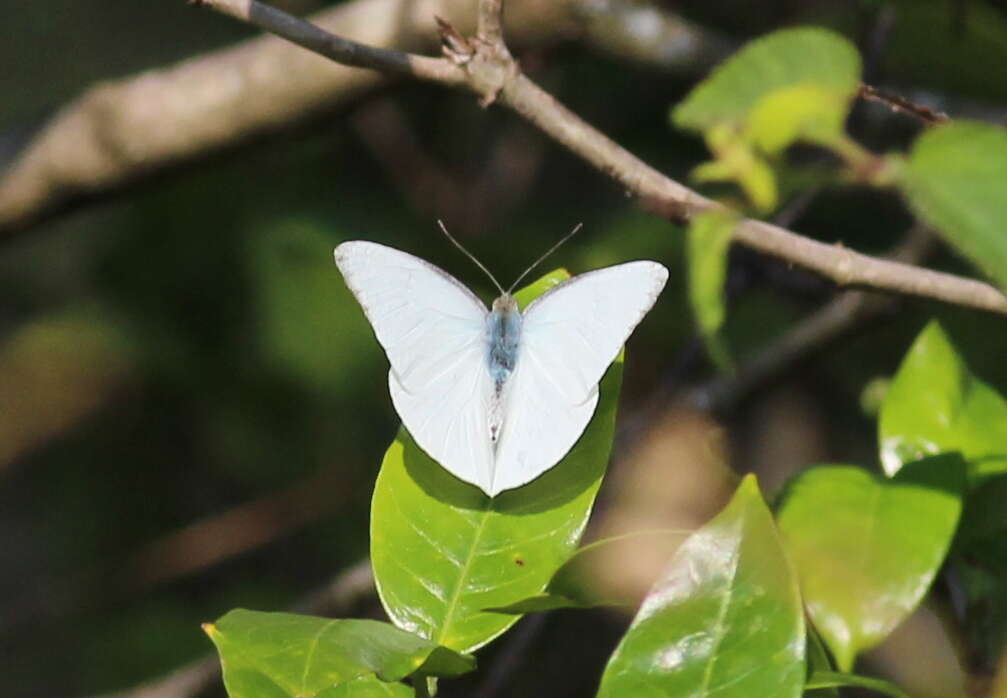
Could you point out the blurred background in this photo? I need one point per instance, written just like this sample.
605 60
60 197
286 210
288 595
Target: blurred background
193 408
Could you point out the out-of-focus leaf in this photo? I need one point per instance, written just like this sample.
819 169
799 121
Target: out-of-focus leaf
299 326
289 656
443 551
806 111
783 60
709 241
725 620
955 180
571 586
834 679
935 404
792 85
867 547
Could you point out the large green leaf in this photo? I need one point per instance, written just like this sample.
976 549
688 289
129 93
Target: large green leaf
725 620
284 655
867 547
784 62
572 585
368 687
443 551
955 179
935 404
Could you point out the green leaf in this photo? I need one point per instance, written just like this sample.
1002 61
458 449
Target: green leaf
571 586
955 180
831 679
803 112
867 547
935 404
443 551
284 655
368 687
818 662
709 241
791 58
724 620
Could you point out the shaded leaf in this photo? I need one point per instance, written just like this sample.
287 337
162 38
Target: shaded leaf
443 551
935 404
293 656
833 679
867 547
724 620
955 180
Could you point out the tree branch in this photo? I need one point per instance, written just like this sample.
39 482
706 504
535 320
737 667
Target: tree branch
495 76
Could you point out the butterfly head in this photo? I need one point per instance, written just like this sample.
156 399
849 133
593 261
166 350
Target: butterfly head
505 304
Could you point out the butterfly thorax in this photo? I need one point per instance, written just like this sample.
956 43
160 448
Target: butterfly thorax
503 335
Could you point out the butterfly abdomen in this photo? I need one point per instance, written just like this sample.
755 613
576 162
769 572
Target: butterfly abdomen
503 336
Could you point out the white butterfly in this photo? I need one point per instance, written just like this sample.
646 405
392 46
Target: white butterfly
497 396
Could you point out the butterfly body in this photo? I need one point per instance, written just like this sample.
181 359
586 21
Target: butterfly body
494 395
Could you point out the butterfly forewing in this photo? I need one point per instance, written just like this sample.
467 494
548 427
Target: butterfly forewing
433 331
569 337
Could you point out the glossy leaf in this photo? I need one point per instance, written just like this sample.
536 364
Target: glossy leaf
443 551
835 679
867 547
368 687
725 620
572 584
955 180
284 655
936 404
782 60
709 241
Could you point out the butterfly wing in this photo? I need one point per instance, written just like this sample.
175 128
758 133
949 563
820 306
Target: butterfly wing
569 337
432 329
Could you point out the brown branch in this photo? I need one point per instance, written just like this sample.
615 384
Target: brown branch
495 76
490 22
337 48
119 132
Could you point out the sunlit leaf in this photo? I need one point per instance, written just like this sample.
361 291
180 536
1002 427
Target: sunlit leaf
443 551
867 547
935 404
284 655
572 586
368 687
709 241
955 180
724 620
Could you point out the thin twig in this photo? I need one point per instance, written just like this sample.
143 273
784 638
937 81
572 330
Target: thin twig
900 104
495 76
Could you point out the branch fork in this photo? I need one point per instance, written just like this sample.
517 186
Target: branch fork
484 57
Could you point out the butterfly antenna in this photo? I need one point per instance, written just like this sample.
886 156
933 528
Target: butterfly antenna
541 259
472 257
